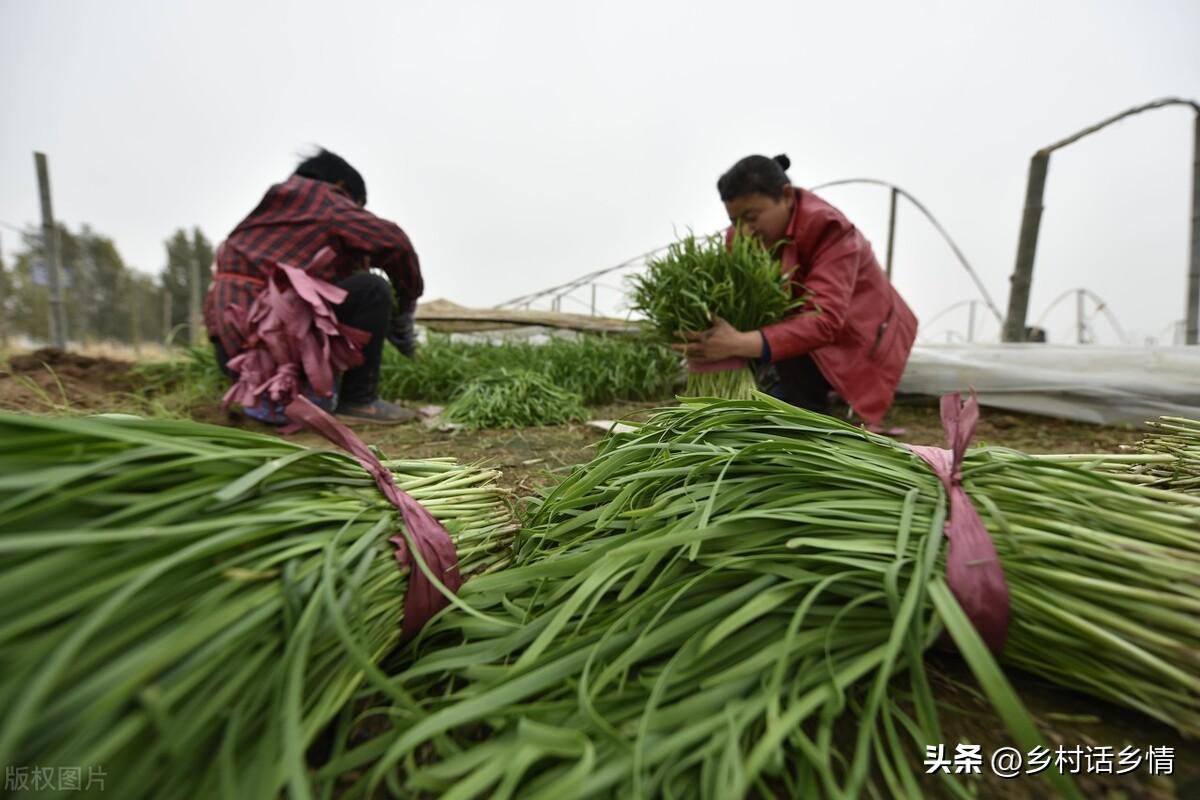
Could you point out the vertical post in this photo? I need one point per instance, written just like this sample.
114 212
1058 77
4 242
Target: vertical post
50 248
167 337
1022 277
1192 334
891 232
85 324
593 299
971 321
1080 324
3 312
135 317
194 300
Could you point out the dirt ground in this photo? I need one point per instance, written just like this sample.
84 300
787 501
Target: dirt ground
529 457
53 382
50 381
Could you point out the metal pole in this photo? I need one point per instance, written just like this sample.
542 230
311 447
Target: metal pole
1079 321
166 329
971 321
194 304
593 299
3 312
891 231
135 317
1022 277
86 325
1192 334
51 250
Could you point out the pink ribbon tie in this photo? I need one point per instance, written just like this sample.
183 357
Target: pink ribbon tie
973 569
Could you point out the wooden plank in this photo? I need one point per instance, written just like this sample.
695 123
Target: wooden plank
446 316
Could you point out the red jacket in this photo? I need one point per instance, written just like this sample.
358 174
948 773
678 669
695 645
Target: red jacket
864 331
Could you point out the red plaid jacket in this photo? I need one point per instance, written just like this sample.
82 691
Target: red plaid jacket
292 223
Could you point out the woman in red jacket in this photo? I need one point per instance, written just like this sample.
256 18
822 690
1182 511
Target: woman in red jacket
858 340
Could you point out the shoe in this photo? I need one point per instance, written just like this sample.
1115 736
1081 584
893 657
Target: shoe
378 412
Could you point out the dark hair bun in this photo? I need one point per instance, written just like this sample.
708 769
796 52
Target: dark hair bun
755 175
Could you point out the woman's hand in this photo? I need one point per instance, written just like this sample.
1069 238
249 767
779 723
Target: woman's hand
720 341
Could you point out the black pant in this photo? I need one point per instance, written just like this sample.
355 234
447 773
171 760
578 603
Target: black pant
799 381
368 307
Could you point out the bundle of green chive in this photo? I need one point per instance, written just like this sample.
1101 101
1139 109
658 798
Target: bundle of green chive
701 278
186 606
694 613
600 368
1168 457
514 398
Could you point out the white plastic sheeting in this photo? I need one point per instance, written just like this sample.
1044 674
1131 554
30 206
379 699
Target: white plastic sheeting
1089 383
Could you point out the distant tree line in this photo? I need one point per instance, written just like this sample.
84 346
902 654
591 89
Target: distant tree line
103 298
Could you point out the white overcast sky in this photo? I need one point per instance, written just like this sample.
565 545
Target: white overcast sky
521 144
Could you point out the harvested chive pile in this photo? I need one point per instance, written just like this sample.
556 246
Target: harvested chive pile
694 612
514 399
601 369
187 606
702 277
1178 438
1171 455
1168 458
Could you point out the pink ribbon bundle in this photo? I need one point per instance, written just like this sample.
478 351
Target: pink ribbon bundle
422 533
294 341
973 569
291 335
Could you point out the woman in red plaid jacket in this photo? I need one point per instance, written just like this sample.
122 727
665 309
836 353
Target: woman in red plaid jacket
323 204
